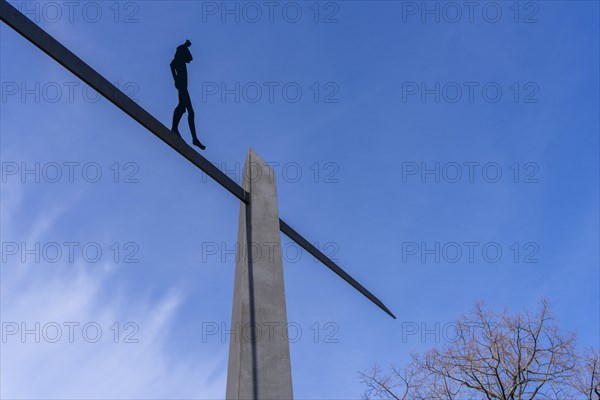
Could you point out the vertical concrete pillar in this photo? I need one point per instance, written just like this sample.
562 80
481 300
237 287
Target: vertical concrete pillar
259 354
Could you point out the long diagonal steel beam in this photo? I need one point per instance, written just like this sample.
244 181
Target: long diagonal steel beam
306 245
45 42
36 35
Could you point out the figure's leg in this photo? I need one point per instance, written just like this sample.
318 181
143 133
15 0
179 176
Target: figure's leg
193 129
178 113
192 123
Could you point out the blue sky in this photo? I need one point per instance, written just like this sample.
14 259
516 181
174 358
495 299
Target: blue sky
356 145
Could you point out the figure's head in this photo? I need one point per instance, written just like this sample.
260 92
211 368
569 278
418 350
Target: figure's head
183 52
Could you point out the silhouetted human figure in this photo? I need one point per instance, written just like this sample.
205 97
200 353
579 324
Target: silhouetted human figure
179 71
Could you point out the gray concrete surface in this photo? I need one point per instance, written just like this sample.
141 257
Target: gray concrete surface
259 355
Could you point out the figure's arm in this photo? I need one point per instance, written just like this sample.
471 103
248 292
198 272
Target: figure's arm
174 72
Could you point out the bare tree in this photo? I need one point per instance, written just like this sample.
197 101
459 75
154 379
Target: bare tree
398 385
586 382
494 356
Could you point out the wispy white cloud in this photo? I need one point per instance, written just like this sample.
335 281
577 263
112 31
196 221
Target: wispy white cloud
75 367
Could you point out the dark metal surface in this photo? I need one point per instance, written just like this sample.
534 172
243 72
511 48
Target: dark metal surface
306 245
36 35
